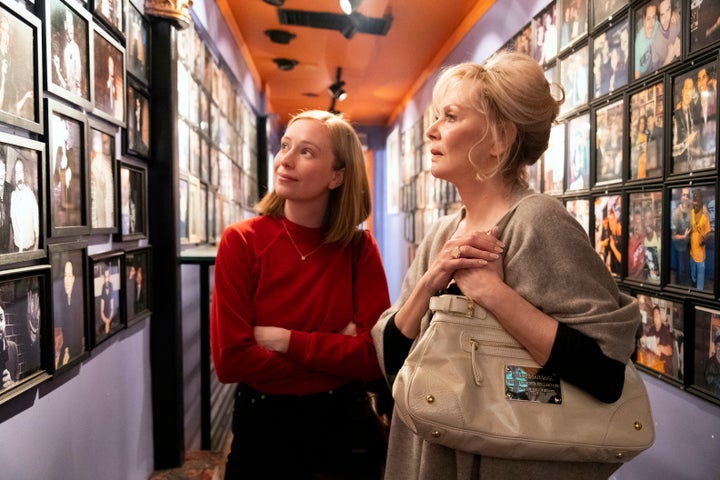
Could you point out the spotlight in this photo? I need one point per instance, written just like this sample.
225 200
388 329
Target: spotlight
337 92
275 3
349 6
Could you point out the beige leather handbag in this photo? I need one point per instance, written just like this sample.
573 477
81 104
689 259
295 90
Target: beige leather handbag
471 386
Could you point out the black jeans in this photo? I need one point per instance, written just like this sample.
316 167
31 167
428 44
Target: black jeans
326 435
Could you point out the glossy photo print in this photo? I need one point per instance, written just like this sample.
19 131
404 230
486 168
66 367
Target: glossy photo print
68 51
661 336
608 232
658 35
106 288
647 133
645 227
692 230
707 351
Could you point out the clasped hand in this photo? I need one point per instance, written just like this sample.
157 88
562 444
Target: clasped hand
277 339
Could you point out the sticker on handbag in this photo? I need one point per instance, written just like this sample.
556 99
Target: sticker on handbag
532 384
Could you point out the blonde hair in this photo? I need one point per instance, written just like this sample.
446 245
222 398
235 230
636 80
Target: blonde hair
520 106
349 204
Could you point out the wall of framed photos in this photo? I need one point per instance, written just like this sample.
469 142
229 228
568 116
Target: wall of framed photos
75 257
634 159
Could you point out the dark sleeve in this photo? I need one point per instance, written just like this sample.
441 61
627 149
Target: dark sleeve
578 359
396 347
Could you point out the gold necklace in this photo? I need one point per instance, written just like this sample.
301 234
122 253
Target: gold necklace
302 256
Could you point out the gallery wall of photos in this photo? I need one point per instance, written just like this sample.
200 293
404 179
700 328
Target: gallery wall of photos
634 159
217 142
74 146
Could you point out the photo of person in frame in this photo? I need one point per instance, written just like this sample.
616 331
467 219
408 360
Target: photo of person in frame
661 338
17 77
545 42
138 130
132 202
602 9
66 151
136 268
580 210
646 133
712 366
68 306
19 330
573 22
6 190
574 77
610 69
24 209
608 231
106 288
644 237
609 142
69 50
578 167
137 43
658 41
109 88
707 349
111 11
102 182
704 107
704 24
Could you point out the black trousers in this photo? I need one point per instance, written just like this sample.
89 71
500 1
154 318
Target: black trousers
327 435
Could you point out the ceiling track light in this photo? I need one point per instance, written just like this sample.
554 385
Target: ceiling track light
285 63
275 3
280 36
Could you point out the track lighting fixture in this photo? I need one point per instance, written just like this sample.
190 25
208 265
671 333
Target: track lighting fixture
275 3
280 36
285 63
337 92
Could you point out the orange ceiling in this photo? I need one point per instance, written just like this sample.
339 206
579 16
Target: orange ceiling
381 73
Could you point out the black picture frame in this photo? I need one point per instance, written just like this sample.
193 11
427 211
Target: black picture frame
687 270
605 10
609 121
575 77
573 21
21 58
649 40
704 25
611 57
608 241
22 211
578 153
108 78
111 13
706 353
645 237
647 133
545 35
694 119
68 44
137 133
660 343
67 170
138 284
71 332
25 329
138 44
132 185
108 295
102 178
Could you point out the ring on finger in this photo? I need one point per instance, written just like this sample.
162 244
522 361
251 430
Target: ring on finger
455 252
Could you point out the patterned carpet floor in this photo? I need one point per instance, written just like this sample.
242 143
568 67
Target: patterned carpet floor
199 465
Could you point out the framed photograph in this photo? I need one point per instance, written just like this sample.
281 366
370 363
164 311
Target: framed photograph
661 336
694 119
68 263
68 47
611 55
578 153
67 143
138 122
706 354
609 136
573 21
184 231
645 227
112 14
25 325
138 44
646 133
102 177
704 24
574 76
553 161
579 208
608 232
194 217
108 78
604 10
133 200
545 36
21 73
22 232
659 35
107 294
692 229
138 281
535 172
